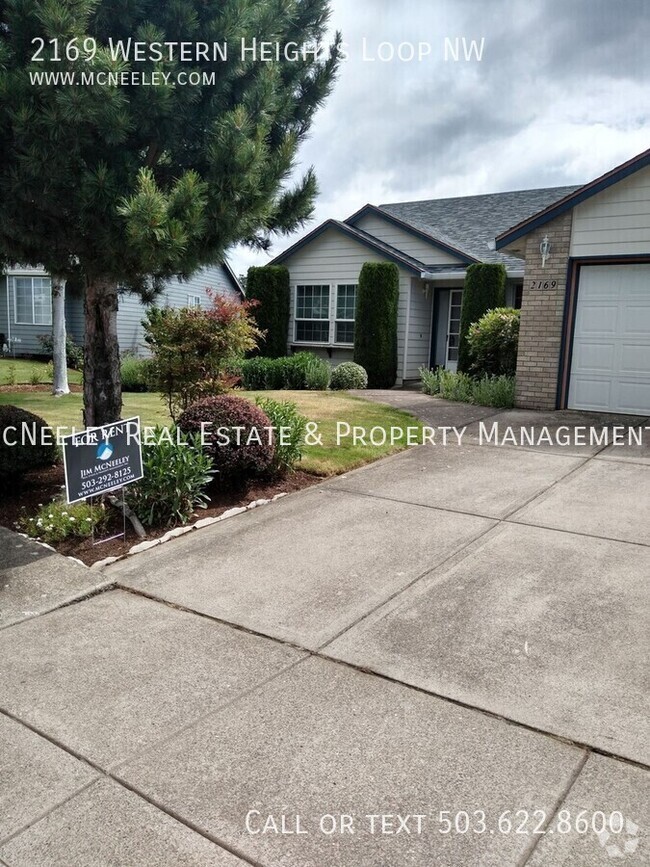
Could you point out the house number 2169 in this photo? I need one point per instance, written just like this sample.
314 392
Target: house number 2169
544 284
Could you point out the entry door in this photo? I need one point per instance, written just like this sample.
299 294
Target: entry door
610 370
453 329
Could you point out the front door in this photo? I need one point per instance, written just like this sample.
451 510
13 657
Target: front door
453 329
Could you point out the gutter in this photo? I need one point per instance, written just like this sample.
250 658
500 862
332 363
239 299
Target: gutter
439 276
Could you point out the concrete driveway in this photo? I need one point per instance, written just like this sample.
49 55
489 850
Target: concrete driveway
435 660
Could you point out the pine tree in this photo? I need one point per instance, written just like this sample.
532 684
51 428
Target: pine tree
121 188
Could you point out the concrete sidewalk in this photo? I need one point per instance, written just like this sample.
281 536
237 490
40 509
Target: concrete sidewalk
436 660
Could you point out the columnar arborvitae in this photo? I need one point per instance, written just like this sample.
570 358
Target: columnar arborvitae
485 289
269 287
375 327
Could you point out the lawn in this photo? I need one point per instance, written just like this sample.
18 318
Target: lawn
325 408
18 371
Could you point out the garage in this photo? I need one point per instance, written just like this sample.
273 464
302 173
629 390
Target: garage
610 366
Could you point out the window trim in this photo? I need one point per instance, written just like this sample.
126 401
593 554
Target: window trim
196 298
31 278
355 286
297 319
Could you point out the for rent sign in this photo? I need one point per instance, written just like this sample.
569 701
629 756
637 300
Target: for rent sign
101 459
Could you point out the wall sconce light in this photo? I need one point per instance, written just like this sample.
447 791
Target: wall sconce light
426 290
545 250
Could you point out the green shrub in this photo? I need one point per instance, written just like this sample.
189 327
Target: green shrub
235 435
493 343
430 380
35 377
57 521
299 372
485 289
375 329
349 375
498 391
135 373
35 446
289 433
269 287
12 376
193 349
176 475
73 352
494 391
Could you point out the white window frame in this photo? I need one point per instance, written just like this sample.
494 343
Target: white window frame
336 309
194 301
328 319
31 277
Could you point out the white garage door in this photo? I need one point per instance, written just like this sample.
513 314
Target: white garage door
610 370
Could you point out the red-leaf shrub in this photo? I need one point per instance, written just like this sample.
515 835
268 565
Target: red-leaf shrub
249 450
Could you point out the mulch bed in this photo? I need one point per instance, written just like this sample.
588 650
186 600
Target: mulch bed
42 486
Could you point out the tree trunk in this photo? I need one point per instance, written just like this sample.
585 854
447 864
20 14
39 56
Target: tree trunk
59 359
102 384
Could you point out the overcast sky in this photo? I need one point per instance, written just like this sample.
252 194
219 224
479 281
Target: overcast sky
560 96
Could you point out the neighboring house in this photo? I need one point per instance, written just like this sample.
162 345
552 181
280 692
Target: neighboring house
26 307
586 348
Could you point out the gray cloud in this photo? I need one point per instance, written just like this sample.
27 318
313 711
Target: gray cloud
560 95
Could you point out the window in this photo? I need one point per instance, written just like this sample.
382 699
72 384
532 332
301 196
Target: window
312 314
519 292
33 300
193 300
346 298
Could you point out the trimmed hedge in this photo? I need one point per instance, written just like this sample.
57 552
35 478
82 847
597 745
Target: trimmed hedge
300 372
269 287
485 289
375 329
23 427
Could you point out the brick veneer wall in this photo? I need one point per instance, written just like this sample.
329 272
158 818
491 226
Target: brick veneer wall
542 316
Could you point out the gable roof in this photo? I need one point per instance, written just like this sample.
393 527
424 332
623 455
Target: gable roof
374 244
234 280
446 245
572 198
474 221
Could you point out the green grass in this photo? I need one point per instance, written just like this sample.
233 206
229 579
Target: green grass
325 408
19 371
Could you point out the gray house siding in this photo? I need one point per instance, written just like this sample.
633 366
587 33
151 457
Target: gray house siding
20 338
131 312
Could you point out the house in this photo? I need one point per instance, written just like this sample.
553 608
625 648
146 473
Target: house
577 261
26 307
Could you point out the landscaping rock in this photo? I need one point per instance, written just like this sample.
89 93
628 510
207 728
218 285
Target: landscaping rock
232 512
144 546
206 522
101 563
178 531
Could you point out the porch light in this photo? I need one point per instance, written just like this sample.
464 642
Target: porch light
545 250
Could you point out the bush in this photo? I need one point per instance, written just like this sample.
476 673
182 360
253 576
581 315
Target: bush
57 521
73 352
498 391
176 475
493 343
289 433
237 454
494 391
135 373
269 288
24 428
375 329
299 372
349 375
485 289
194 348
